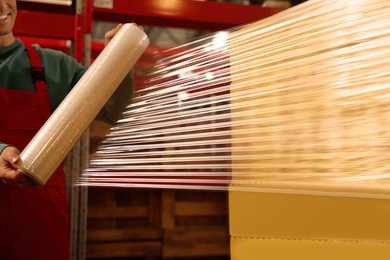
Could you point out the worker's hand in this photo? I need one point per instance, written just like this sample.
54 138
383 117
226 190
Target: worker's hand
9 175
111 33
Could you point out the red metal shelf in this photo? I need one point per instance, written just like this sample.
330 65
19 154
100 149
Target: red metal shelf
47 22
43 24
57 44
53 26
189 14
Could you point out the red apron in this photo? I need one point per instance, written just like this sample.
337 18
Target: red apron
34 222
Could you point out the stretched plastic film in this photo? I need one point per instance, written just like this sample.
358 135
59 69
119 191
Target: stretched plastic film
321 75
57 136
296 103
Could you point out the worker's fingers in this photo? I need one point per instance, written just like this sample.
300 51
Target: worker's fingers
11 155
142 28
10 175
15 177
111 33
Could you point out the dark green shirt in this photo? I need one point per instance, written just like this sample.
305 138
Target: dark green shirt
62 72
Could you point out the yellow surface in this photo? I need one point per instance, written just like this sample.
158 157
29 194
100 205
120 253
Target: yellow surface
300 227
275 249
303 216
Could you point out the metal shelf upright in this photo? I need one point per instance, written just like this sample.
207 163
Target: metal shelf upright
64 25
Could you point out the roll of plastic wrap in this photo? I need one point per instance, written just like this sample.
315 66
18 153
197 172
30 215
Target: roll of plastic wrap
55 139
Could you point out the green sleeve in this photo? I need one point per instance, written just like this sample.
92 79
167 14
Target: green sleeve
2 147
114 107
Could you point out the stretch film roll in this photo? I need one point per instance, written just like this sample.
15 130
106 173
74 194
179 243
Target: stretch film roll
69 121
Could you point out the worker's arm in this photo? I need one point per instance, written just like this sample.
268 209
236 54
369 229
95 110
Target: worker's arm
114 107
10 155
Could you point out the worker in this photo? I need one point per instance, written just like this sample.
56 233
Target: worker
34 222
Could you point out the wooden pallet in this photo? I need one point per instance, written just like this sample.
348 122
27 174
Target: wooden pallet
152 224
123 223
195 224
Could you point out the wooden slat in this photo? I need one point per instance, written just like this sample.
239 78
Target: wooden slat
101 198
195 234
200 249
122 234
117 212
155 209
123 249
200 208
195 242
168 209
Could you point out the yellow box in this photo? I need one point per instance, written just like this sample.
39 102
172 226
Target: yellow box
291 226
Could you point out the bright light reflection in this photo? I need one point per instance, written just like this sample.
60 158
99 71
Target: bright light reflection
182 96
218 42
184 73
209 75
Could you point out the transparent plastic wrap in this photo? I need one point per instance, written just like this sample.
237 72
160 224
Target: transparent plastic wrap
51 144
297 102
